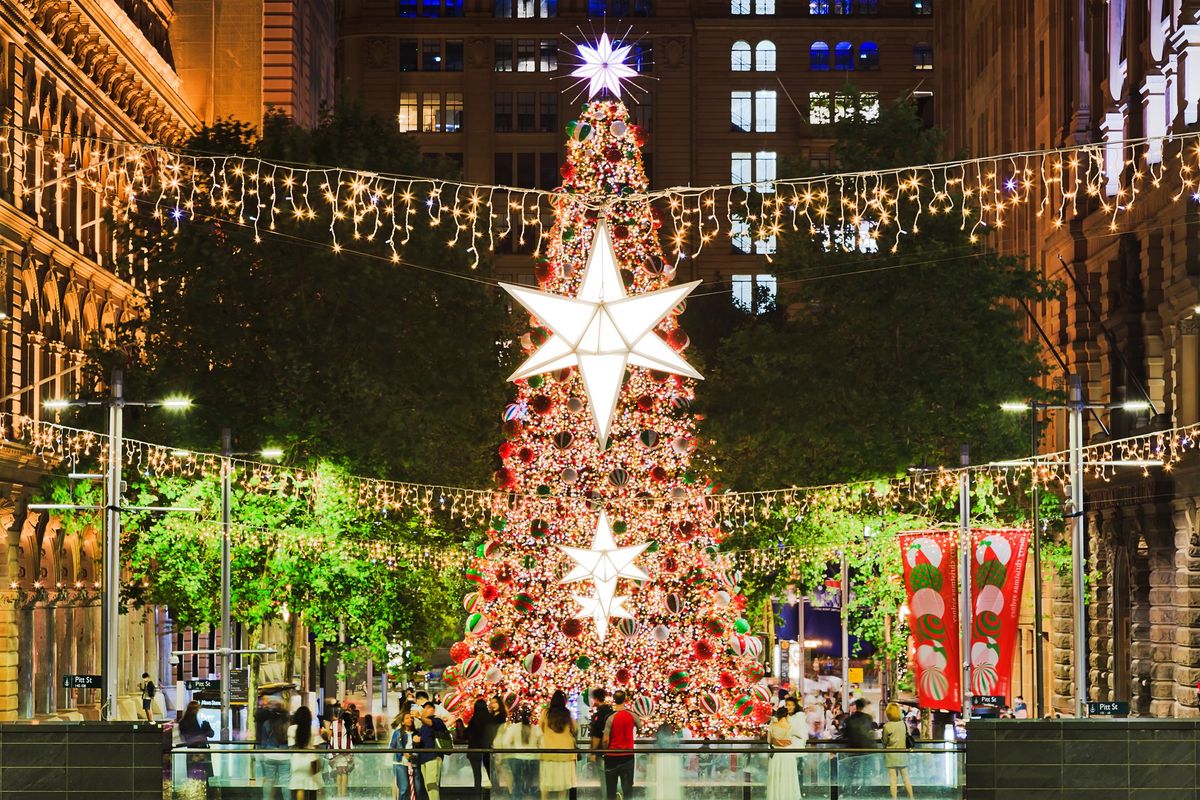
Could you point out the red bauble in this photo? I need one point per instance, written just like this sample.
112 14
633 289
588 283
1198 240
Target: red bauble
544 272
572 628
659 377
623 675
702 650
658 474
645 402
727 680
505 449
525 455
460 652
687 529
541 404
512 428
567 170
668 564
639 136
762 713
498 643
504 478
488 593
504 574
563 374
678 339
620 231
612 153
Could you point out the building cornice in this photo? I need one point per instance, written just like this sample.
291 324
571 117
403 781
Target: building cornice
119 66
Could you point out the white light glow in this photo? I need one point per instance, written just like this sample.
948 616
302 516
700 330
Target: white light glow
603 564
604 66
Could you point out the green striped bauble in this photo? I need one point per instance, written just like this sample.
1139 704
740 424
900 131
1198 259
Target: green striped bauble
523 602
678 680
987 625
930 627
925 576
991 573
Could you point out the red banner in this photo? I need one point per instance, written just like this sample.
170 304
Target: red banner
997 576
931 580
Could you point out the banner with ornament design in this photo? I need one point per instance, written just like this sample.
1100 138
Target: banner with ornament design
931 582
997 576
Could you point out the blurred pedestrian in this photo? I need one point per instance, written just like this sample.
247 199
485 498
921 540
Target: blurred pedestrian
147 689
341 738
481 735
517 737
558 733
895 739
783 777
432 738
619 733
195 734
270 734
306 763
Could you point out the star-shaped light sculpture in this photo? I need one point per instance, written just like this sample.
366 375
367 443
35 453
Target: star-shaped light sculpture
604 563
602 330
604 66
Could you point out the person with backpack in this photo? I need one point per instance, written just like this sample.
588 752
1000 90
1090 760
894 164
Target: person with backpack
270 734
618 740
601 711
432 743
896 737
148 690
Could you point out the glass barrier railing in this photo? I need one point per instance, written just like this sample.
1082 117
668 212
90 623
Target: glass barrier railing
729 771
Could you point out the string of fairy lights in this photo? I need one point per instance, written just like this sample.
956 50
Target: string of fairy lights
865 211
917 491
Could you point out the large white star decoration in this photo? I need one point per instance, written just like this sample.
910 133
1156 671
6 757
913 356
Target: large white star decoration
604 66
602 330
604 563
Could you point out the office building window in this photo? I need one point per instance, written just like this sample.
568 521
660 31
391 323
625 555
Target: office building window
843 56
452 113
764 170
620 8
431 55
526 55
504 112
764 7
868 8
431 106
527 170
641 57
820 108
408 55
764 111
740 112
754 293
548 112
739 237
864 106
408 112
504 55
642 115
503 169
819 8
923 56
548 170
549 51
406 8
526 111
429 8
739 7
818 57
454 56
525 9
741 168
764 56
868 56
922 8
739 56
758 7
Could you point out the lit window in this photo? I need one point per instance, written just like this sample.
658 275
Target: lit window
431 103
754 293
764 170
820 108
818 57
739 234
864 106
739 6
868 56
408 112
923 56
922 8
741 165
764 111
843 56
869 106
526 55
549 55
766 245
764 7
453 113
523 9
740 113
818 8
739 57
764 56
431 55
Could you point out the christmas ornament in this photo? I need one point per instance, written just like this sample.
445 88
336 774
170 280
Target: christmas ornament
460 652
661 633
603 564
583 662
472 602
710 703
493 676
532 663
523 602
678 680
604 66
476 624
643 706
744 706
470 669
455 702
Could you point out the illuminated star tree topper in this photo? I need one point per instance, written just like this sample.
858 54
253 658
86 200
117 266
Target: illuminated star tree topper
604 66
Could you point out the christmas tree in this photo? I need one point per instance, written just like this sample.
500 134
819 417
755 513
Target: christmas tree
602 565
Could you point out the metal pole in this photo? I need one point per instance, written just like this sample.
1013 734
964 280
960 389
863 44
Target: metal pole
845 632
964 547
803 655
110 616
226 595
1078 544
1038 664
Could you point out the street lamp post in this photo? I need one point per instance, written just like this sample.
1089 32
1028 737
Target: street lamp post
111 590
964 548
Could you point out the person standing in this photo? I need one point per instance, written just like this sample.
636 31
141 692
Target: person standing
432 737
601 711
859 729
341 737
147 689
665 774
618 742
895 738
270 734
783 778
558 733
519 736
307 764
481 735
195 734
407 778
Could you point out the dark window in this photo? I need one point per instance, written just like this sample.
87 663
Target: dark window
642 56
643 8
547 170
868 8
526 111
431 55
548 116
648 166
503 8
504 170
431 8
454 8
620 8
504 112
406 8
818 57
922 8
868 56
456 159
454 55
843 56
597 8
843 7
642 113
923 56
504 55
408 55
527 170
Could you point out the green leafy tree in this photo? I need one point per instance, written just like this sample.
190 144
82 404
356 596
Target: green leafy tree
882 360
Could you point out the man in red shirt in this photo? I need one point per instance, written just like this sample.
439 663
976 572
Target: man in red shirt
618 740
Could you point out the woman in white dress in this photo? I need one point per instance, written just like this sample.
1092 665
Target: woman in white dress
665 774
783 781
306 778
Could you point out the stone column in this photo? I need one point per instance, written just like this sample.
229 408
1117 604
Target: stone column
1185 45
1112 127
1062 691
1163 616
1185 641
1103 529
8 628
